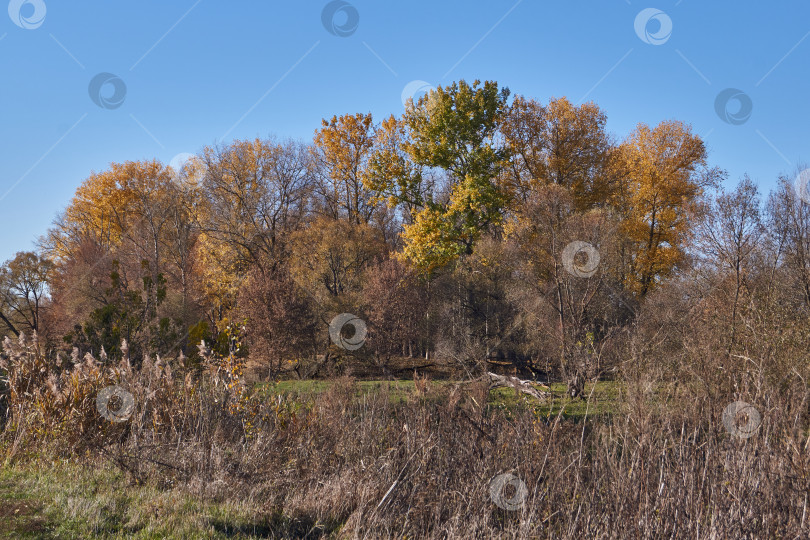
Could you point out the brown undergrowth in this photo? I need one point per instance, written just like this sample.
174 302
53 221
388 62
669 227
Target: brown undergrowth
336 465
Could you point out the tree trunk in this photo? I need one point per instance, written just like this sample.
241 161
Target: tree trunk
526 387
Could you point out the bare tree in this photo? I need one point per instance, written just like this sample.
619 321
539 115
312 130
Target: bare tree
256 192
23 291
789 223
731 234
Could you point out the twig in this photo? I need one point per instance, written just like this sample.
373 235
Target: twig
400 475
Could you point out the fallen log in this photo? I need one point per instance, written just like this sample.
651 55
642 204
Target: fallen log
527 387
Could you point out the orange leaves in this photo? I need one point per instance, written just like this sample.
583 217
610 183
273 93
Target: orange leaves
342 148
107 203
662 176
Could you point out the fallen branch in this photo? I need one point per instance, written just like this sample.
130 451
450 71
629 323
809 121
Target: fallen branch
501 381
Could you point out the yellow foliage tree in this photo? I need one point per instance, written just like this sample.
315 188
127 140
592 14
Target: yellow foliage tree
341 150
392 175
109 204
662 174
453 128
255 193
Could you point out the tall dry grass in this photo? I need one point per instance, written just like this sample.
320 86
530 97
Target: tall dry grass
663 465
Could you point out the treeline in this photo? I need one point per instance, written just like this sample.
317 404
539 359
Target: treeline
476 228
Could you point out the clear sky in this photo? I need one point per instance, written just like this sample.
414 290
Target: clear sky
188 73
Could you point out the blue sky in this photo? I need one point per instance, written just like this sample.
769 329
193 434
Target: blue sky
197 72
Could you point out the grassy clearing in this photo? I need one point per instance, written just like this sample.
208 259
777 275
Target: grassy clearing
68 500
602 398
21 514
398 389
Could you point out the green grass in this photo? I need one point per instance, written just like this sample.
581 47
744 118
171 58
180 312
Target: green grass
21 514
64 500
601 398
399 390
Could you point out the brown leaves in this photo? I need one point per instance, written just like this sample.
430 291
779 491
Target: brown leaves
561 144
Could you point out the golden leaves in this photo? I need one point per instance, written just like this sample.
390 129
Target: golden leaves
662 180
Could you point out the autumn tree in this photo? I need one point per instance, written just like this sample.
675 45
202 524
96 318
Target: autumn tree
524 130
329 258
662 175
566 295
282 328
392 174
788 220
454 128
23 292
562 144
135 220
341 152
110 206
730 238
134 209
396 303
255 193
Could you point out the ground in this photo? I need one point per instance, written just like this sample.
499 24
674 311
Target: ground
70 501
602 396
21 514
64 500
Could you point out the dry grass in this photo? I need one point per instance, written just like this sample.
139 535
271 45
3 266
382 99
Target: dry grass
332 465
